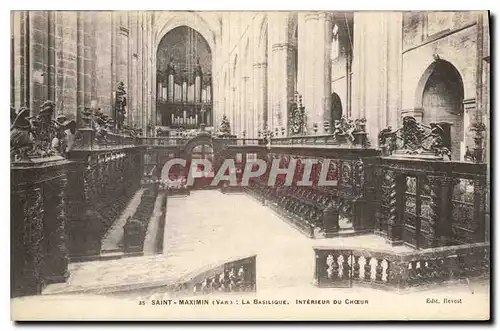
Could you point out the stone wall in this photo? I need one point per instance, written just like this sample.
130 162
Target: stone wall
77 60
429 37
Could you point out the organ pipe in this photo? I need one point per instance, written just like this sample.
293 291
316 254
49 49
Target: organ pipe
171 87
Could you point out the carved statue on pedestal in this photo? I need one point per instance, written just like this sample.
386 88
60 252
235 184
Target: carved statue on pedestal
225 127
297 116
120 104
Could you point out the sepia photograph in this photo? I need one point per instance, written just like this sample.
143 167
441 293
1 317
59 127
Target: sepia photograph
250 165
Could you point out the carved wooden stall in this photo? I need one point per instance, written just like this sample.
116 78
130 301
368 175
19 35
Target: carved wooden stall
67 187
39 192
319 210
102 185
423 199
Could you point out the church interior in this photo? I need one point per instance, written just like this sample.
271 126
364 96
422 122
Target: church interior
394 105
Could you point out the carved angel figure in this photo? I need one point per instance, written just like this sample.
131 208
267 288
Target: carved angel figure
225 127
21 139
40 135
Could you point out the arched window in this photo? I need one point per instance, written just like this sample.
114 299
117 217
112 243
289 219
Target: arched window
335 51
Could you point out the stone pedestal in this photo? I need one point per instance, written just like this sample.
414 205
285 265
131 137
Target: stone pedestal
88 136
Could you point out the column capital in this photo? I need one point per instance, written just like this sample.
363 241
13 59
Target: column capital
325 15
260 65
470 104
282 46
311 16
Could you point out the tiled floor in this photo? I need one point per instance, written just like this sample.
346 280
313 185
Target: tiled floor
209 227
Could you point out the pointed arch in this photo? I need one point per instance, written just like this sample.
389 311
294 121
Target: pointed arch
434 67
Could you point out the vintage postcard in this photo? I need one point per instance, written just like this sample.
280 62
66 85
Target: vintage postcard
200 165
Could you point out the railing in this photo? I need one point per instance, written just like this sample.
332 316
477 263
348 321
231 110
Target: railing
306 140
91 139
358 139
248 141
400 271
163 141
180 141
236 275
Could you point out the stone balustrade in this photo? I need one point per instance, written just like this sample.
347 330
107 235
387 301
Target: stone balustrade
388 270
235 275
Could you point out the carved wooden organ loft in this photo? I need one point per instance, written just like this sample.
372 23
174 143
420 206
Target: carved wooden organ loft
184 99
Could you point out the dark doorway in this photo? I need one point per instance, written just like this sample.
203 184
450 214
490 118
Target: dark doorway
336 109
442 101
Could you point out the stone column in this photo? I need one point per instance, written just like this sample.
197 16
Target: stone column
122 49
376 69
37 25
80 66
281 86
283 83
470 115
314 66
66 64
260 96
232 110
88 48
103 22
246 109
19 43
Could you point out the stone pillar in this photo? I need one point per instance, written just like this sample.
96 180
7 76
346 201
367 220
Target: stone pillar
66 64
280 86
38 45
260 96
376 69
103 22
232 110
282 83
470 115
19 43
80 65
246 108
89 48
122 49
314 66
